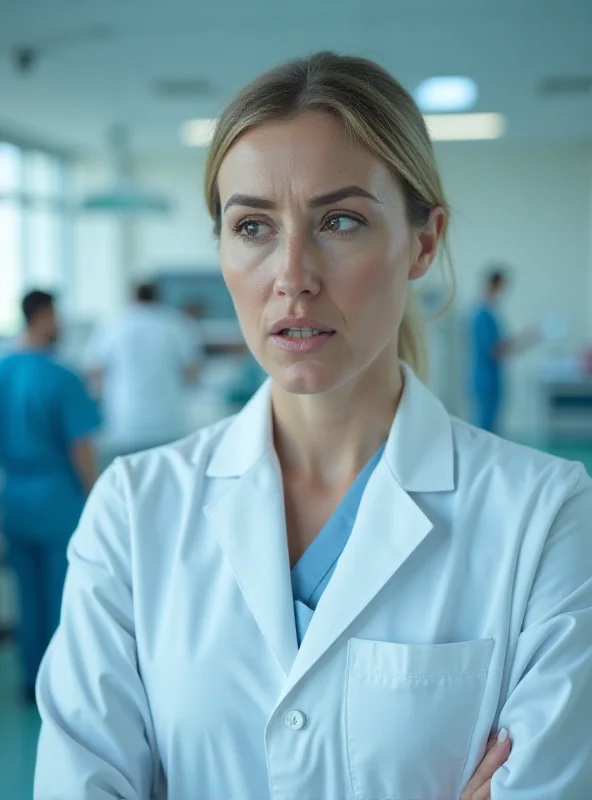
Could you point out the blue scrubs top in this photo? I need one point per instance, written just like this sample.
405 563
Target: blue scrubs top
313 571
44 408
486 334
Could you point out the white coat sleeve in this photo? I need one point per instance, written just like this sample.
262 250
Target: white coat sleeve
98 349
96 739
548 711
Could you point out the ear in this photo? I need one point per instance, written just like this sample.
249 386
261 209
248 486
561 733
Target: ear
426 242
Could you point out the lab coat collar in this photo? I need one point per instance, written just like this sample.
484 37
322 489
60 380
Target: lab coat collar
419 450
251 523
246 440
389 527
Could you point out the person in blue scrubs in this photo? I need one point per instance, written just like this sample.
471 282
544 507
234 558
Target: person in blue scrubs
490 348
487 338
46 453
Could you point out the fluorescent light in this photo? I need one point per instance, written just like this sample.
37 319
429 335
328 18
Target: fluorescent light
197 132
446 93
462 127
442 127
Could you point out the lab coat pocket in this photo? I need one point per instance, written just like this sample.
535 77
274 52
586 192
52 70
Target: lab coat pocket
410 714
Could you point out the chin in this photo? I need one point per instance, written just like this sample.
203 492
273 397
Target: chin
307 378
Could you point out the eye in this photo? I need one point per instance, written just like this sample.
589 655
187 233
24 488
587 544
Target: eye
342 223
251 229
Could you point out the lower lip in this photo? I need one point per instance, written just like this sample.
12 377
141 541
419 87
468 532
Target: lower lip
308 344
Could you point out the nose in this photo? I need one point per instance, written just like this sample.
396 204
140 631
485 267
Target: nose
298 270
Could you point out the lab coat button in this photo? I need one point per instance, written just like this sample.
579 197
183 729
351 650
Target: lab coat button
295 720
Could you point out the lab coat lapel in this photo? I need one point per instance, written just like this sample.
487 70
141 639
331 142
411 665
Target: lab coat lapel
418 458
250 521
388 528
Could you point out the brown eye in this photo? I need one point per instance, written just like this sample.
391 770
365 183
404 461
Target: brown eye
251 229
342 223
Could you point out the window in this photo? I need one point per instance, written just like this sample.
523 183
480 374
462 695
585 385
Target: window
10 266
33 227
42 175
10 168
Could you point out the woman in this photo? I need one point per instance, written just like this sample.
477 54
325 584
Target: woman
341 592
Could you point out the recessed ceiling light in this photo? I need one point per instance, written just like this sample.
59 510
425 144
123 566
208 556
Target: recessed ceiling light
446 93
197 132
463 127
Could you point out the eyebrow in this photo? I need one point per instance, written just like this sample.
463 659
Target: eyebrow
316 202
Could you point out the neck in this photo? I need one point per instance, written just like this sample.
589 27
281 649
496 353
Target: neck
35 341
329 437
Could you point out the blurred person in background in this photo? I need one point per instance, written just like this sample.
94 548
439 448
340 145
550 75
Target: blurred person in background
142 365
47 419
193 313
490 348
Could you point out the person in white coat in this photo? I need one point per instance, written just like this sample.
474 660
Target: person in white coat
342 592
142 364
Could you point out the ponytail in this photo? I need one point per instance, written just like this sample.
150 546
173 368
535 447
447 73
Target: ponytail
413 338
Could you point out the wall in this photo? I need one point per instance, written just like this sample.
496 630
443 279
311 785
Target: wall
113 252
186 239
529 207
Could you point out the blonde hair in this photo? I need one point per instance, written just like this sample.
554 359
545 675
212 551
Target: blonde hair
377 112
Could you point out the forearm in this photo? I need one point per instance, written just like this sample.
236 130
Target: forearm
515 345
82 456
96 379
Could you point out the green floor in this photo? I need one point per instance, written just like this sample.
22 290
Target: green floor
19 723
19 727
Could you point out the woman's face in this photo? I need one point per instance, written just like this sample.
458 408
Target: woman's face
317 251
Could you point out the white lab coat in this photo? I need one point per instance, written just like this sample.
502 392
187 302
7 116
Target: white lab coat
143 356
462 603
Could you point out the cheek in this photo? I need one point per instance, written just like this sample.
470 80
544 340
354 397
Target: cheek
245 282
373 285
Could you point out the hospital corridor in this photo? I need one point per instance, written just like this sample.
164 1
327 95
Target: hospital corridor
293 303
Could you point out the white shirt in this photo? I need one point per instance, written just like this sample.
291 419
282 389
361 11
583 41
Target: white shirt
143 357
462 603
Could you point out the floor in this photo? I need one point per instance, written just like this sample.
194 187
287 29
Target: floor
19 723
19 727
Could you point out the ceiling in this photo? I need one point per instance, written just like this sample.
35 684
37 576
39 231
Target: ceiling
97 63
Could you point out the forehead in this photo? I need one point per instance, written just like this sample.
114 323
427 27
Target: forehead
308 154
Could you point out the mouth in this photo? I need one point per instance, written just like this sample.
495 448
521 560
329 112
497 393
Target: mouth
299 327
302 333
301 340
